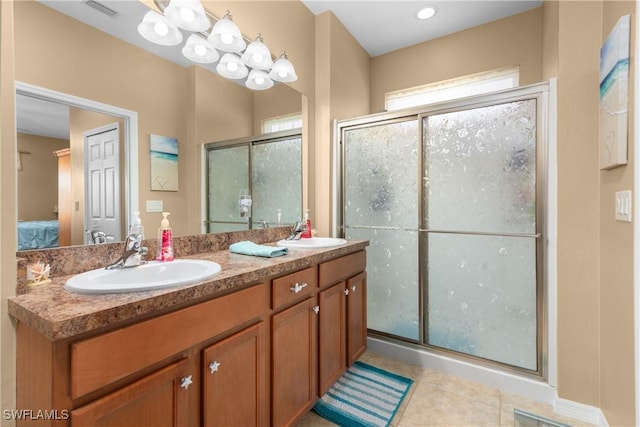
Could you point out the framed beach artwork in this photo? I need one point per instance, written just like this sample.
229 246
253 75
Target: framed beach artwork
614 95
164 163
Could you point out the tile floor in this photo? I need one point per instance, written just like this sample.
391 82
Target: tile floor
439 399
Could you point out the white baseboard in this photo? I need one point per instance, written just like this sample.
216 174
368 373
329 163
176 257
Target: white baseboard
533 389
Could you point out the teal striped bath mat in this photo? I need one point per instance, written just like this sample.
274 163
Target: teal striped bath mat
363 396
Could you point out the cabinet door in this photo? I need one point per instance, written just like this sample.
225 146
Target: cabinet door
293 362
234 380
158 400
356 317
332 336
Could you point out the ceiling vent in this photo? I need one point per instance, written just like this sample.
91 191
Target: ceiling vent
102 8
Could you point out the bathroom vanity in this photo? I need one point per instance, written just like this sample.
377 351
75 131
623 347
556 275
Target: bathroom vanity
256 344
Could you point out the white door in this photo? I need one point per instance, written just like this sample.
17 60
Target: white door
102 182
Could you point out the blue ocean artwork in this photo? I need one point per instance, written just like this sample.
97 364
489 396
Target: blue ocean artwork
164 163
614 95
620 70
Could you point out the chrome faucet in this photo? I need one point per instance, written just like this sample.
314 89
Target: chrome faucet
132 255
297 230
263 223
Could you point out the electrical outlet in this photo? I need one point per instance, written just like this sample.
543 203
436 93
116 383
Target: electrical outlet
155 206
623 206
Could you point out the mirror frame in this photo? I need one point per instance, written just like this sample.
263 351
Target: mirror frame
130 134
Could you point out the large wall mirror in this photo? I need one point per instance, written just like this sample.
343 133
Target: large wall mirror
55 134
108 83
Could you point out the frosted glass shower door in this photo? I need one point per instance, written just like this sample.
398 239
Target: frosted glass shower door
381 205
481 232
276 181
228 176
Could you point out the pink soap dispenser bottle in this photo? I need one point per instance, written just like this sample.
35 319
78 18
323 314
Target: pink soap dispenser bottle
165 240
306 234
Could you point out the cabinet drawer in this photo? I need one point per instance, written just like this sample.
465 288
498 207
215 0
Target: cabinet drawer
342 268
293 287
98 361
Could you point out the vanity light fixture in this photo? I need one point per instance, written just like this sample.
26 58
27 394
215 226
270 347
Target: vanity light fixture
225 36
426 13
258 80
157 29
257 55
187 14
282 70
232 67
197 49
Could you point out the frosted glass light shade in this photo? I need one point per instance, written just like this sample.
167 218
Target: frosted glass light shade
157 29
257 55
197 49
258 80
226 36
231 67
187 14
283 70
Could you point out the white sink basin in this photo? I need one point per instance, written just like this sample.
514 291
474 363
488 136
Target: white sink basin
152 275
312 243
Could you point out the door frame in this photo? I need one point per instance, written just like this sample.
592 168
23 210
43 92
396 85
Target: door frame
130 134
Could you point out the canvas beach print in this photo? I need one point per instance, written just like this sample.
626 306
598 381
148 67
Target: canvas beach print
164 163
614 95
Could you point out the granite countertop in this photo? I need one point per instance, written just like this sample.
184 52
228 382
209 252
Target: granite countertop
59 314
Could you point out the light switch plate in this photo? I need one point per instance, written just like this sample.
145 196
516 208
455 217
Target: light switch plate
155 206
623 206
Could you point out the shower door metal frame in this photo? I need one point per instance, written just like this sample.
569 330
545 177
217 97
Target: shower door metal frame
249 142
539 92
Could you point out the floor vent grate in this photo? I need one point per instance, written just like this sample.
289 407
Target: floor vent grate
525 419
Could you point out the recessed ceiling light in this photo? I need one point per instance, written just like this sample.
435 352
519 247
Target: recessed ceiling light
426 13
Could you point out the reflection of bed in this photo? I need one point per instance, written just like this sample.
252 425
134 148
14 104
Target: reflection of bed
37 234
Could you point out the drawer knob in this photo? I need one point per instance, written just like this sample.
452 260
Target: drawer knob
353 288
298 287
214 366
346 292
316 309
185 382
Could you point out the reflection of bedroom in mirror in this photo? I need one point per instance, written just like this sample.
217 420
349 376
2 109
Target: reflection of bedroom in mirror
52 196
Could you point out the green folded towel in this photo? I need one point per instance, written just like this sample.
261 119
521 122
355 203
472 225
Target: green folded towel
249 248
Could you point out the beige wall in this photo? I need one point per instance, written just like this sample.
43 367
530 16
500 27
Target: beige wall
342 90
8 217
617 388
578 207
38 179
595 253
505 43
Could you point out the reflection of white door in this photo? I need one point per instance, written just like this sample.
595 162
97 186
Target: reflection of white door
102 182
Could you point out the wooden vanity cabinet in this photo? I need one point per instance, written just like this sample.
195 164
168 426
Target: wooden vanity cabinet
293 366
151 373
356 317
293 345
342 324
159 399
258 356
234 380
